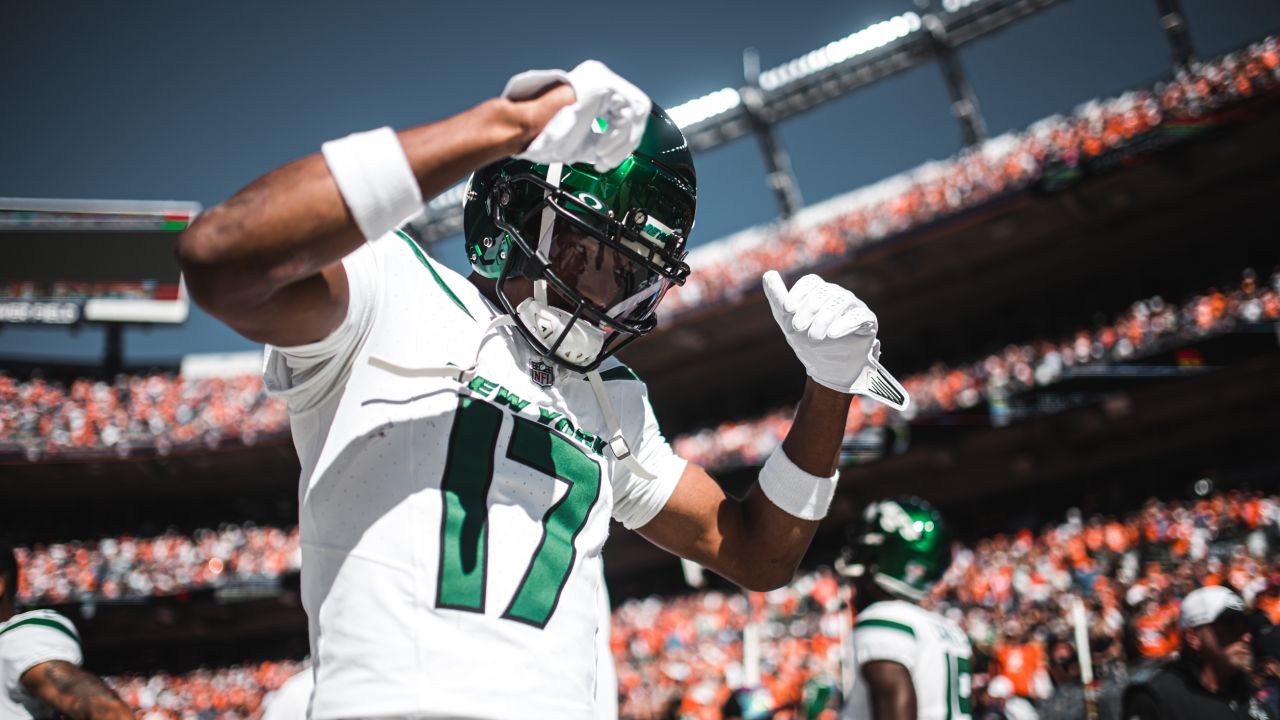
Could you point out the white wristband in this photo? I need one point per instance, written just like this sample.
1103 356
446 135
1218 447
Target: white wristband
375 179
798 493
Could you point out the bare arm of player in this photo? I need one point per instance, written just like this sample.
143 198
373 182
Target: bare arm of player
892 694
753 543
73 692
267 261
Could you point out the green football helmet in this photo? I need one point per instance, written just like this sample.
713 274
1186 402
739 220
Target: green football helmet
903 544
602 247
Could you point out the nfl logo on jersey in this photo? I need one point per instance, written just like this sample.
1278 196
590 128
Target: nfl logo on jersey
542 373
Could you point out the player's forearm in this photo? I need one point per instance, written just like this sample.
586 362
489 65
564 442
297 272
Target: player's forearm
74 693
813 442
292 222
773 540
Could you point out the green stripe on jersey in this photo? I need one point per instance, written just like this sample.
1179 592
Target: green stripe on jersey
622 372
888 624
46 622
417 251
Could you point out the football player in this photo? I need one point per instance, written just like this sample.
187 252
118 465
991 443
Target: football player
40 673
907 662
465 441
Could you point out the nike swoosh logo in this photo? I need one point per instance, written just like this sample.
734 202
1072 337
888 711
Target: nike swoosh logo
879 387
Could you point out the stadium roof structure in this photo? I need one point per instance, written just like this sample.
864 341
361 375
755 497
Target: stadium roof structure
836 69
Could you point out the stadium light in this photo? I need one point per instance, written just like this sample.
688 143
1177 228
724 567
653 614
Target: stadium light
833 53
705 107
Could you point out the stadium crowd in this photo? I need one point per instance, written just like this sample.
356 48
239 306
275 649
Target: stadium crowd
161 412
1145 328
223 694
1012 593
132 567
1058 145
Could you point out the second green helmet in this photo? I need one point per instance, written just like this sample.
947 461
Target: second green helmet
902 544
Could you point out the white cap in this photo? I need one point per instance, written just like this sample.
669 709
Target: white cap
1000 687
1207 604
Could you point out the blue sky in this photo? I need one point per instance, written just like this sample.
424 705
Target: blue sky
190 101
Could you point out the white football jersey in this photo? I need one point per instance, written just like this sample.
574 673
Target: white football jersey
934 649
26 640
450 533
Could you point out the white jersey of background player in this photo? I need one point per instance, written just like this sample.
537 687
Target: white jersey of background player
464 442
40 656
907 662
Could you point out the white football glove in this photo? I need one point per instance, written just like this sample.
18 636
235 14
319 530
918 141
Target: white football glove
833 333
573 135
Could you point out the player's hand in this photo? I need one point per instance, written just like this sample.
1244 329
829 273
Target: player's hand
573 134
833 333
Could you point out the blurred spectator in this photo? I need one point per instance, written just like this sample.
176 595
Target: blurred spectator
1211 677
1003 704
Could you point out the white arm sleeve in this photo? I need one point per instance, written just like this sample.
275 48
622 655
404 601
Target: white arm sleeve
877 639
44 637
637 501
306 375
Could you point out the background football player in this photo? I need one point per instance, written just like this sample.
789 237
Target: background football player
464 441
907 662
40 673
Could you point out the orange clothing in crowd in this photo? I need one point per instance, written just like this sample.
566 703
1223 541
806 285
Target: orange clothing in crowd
1020 663
1157 631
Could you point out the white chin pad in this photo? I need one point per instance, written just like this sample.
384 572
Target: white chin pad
584 342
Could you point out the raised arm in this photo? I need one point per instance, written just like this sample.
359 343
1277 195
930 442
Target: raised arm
73 692
267 261
758 542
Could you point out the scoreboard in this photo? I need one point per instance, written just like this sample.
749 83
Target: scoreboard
68 261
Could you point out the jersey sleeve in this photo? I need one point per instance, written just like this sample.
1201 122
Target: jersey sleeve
306 375
635 500
882 638
29 641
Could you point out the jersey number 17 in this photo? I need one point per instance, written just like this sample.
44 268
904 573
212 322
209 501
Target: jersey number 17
468 474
